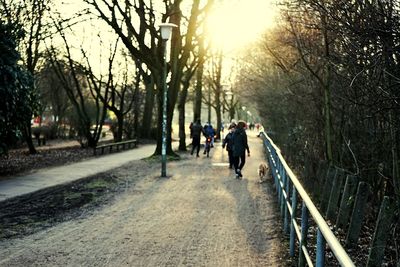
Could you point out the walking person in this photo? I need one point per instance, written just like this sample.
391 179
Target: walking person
208 132
195 133
239 148
211 133
228 142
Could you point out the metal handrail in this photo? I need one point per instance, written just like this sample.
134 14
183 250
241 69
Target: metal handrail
281 171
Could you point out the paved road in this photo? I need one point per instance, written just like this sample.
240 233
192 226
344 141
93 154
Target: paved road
48 177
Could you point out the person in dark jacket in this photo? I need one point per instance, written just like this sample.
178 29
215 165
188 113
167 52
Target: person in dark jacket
239 148
228 142
208 132
195 132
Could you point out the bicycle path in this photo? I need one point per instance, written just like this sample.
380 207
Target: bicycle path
48 177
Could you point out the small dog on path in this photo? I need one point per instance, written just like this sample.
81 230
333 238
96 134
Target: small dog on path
262 172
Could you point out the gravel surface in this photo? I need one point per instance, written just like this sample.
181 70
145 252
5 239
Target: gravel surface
199 216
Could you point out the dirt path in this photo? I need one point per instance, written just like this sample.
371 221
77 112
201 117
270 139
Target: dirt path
201 216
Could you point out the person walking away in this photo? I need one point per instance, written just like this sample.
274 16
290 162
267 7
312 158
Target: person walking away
208 132
196 132
239 148
260 130
228 142
211 133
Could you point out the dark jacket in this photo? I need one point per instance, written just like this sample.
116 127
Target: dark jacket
209 131
228 141
196 130
240 145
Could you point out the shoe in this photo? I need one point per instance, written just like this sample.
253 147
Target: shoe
239 173
191 153
212 145
197 155
237 176
204 152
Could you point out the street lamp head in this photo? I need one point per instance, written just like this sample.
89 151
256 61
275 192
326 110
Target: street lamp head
166 30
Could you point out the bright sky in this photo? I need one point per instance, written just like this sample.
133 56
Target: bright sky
236 23
232 25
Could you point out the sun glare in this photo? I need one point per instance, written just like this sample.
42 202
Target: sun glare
234 24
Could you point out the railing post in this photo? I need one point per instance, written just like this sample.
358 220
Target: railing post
282 200
278 184
320 249
286 222
304 231
273 171
292 221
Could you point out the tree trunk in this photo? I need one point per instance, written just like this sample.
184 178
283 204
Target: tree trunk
136 111
92 142
198 94
159 132
219 122
395 156
218 95
148 109
209 105
199 82
28 138
120 122
179 56
174 84
328 132
327 93
181 108
231 112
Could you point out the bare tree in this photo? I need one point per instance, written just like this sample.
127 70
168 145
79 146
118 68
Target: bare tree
52 94
135 24
213 81
32 15
116 96
80 96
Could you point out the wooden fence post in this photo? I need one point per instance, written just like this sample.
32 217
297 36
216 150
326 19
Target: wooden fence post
320 179
381 233
347 201
335 195
327 187
357 216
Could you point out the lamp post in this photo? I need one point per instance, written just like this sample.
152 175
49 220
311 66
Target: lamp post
166 30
